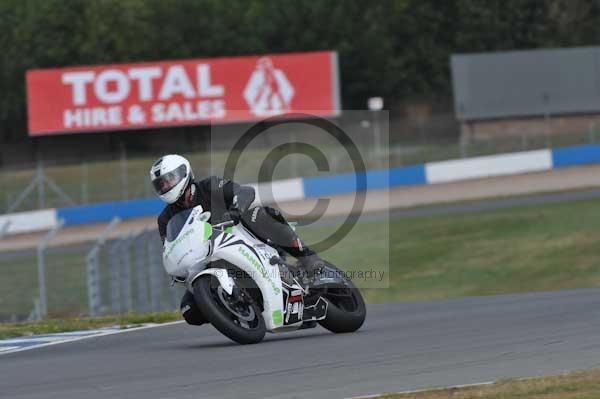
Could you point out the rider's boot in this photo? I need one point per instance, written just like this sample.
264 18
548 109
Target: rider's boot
311 263
190 311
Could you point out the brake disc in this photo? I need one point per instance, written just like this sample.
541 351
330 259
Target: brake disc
226 301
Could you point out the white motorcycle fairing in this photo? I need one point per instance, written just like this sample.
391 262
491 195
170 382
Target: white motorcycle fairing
196 245
221 274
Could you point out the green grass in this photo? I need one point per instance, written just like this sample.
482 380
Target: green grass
65 280
9 330
534 248
579 385
537 248
66 284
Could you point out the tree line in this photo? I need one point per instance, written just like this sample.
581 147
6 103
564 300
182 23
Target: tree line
397 49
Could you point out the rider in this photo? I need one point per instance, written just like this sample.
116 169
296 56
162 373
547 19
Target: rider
173 181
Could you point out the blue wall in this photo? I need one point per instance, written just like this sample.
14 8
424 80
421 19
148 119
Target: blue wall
573 156
104 212
314 187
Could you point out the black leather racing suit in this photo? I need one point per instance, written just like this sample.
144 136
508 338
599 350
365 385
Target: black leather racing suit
219 196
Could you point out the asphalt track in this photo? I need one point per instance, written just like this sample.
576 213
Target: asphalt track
401 347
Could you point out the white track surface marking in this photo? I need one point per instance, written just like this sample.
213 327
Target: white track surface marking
62 338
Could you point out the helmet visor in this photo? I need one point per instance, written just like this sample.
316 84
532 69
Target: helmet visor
163 184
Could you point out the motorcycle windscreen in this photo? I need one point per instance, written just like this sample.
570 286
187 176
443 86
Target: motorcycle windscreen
176 224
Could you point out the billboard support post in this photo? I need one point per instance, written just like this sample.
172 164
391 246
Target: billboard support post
124 175
40 177
547 116
85 195
375 105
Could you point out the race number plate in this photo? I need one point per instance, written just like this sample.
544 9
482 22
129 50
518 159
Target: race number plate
294 309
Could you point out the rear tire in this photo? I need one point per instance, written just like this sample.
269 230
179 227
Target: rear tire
209 300
346 311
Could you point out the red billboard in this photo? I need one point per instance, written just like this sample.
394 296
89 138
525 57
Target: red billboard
181 92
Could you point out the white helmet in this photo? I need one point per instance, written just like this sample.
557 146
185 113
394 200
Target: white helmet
170 176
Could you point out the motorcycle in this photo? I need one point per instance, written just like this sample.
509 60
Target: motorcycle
245 287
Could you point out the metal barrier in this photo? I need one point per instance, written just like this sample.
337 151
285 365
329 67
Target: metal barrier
92 260
113 275
400 142
41 264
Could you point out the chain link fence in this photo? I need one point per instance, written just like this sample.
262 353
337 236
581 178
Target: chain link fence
116 276
412 141
125 274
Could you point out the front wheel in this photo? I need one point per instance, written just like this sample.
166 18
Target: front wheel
237 317
346 311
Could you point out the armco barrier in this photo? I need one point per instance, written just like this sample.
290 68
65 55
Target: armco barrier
314 187
279 191
28 222
488 166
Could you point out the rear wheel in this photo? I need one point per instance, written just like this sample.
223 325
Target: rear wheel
236 316
346 311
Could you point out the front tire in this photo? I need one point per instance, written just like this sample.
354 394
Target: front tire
240 321
346 311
